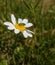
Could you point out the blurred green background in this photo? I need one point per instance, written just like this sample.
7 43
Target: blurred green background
38 50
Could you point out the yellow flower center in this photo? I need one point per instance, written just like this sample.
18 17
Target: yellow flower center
20 27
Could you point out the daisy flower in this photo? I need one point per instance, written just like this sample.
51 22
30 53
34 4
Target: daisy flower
21 26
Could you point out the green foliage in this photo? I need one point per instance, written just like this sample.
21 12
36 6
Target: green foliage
15 49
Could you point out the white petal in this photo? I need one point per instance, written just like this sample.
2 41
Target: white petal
9 25
25 21
30 31
28 25
10 28
16 31
13 19
19 20
30 35
25 34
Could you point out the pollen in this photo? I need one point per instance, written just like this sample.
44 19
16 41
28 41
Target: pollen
20 27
